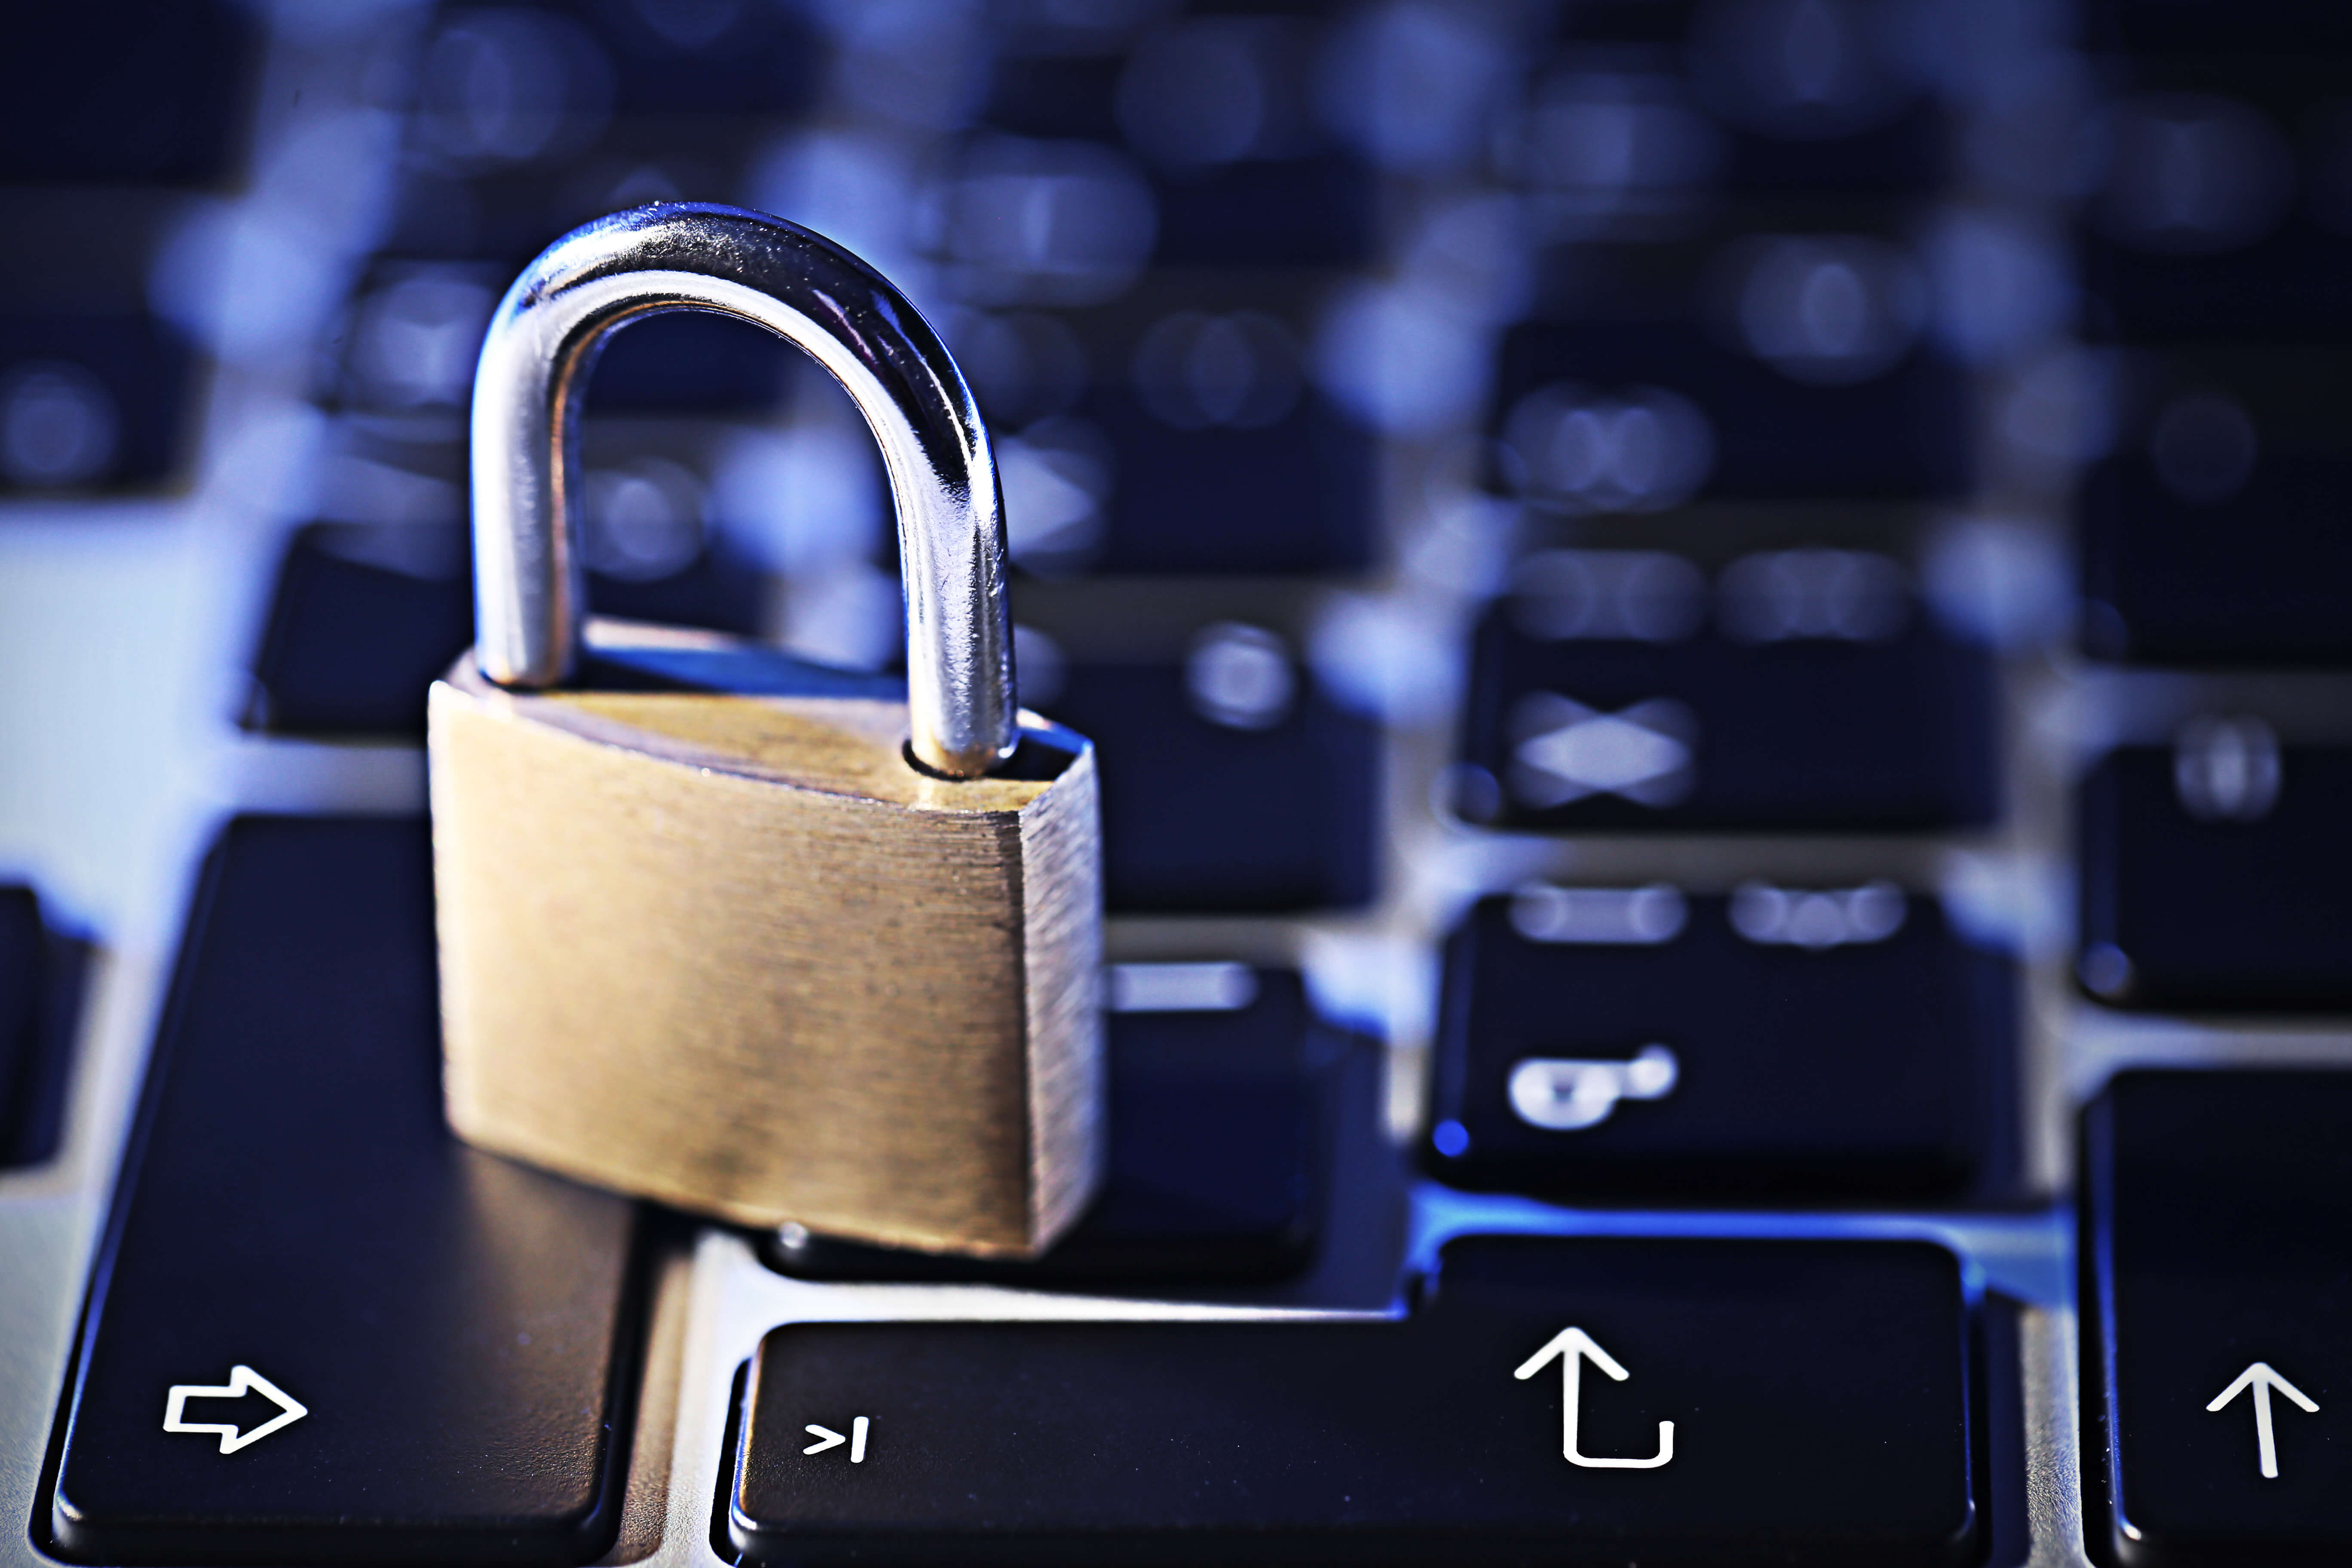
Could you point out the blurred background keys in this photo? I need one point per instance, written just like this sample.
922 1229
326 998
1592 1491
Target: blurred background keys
150 92
1607 415
363 619
1220 460
1815 692
1817 1395
1221 1120
1204 140
2223 200
2217 1236
41 977
366 615
455 1331
1783 1043
1230 780
91 399
2215 873
2210 535
1739 99
1166 437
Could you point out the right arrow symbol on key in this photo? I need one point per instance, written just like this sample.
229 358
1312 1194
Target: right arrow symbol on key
2262 1380
1573 1346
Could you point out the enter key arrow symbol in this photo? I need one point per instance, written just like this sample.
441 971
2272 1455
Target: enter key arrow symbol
2262 1380
1574 1347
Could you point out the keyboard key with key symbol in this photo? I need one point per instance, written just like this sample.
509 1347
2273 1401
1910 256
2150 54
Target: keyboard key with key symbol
2217 1278
1783 1043
322 1330
1823 697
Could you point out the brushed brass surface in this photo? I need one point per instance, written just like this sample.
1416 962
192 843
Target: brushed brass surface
736 954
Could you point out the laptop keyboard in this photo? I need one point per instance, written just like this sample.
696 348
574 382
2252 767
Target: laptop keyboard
1717 637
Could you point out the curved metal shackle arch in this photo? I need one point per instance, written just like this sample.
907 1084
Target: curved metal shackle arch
530 584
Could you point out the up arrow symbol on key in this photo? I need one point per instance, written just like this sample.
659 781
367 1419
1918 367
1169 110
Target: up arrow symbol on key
2262 1380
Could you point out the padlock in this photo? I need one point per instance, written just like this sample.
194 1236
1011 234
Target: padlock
747 936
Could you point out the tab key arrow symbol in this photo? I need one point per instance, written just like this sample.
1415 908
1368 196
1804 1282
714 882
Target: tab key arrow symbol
2262 1380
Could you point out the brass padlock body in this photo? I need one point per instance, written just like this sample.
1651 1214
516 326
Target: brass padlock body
726 947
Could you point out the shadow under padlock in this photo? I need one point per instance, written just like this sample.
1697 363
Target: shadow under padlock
760 939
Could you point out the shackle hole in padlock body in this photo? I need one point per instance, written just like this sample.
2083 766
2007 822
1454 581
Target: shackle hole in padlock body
530 582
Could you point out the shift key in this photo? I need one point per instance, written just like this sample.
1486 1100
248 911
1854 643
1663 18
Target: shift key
322 1330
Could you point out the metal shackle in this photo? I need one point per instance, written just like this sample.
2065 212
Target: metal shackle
530 591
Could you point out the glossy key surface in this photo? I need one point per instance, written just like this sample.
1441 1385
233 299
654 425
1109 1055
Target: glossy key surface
2249 578
2215 874
108 393
1688 727
1817 1395
365 617
1759 433
1230 781
1221 1112
127 92
322 1330
2217 1380
1790 1043
2208 533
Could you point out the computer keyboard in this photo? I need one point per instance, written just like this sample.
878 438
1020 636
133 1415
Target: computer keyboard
1718 639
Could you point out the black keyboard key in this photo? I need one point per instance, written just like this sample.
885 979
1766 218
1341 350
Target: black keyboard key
322 1328
2224 209
1314 212
365 616
41 977
2217 28
1220 1120
1230 781
126 91
2216 1253
1780 1044
1195 494
1603 414
2210 536
90 401
416 329
689 362
1908 154
703 61
1186 441
1217 115
2214 873
1737 97
2256 576
363 619
1747 1402
1821 697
